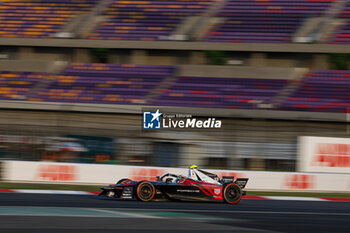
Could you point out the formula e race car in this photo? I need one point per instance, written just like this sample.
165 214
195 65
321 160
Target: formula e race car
198 186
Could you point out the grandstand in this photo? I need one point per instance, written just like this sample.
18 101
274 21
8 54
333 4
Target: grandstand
145 20
273 21
39 18
320 91
341 33
230 21
90 67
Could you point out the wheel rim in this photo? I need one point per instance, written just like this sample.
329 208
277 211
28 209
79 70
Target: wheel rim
146 192
232 193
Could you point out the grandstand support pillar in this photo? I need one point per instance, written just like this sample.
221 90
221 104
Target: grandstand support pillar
320 62
197 58
139 57
118 58
258 60
257 164
26 53
196 153
81 55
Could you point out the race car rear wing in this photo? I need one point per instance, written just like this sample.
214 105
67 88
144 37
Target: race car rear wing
241 182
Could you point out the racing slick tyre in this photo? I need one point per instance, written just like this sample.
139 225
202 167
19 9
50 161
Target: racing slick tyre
145 191
232 193
125 180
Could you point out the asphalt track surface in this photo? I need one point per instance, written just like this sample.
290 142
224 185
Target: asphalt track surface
88 213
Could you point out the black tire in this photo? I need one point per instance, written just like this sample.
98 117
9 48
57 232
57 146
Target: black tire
125 180
145 191
232 193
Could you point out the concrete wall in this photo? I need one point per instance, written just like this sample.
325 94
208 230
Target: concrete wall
171 57
74 173
137 109
32 65
170 45
81 55
42 54
239 71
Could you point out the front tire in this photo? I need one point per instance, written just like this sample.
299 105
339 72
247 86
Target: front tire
232 193
145 191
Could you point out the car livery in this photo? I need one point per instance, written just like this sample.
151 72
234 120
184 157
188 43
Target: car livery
198 186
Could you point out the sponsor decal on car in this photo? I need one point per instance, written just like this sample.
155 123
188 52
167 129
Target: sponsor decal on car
127 193
187 190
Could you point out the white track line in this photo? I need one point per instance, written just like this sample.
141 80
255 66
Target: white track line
70 192
240 211
134 215
41 191
287 198
116 211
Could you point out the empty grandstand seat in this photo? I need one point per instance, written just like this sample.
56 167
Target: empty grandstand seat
220 92
88 83
16 85
39 18
145 20
342 34
322 91
261 21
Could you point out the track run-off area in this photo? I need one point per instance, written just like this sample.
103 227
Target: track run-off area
74 212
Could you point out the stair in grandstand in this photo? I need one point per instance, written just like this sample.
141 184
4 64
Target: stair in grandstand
195 27
289 89
318 29
336 8
42 84
333 21
208 20
205 26
182 31
330 28
305 33
166 83
93 18
55 68
84 23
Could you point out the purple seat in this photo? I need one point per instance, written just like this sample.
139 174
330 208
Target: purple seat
321 91
273 21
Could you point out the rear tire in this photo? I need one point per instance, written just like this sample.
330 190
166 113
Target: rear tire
125 180
232 193
145 191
